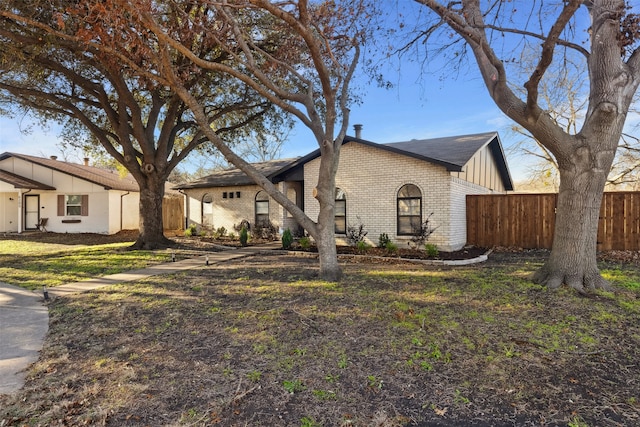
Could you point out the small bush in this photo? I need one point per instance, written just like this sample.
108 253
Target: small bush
244 223
244 236
221 232
265 230
356 233
305 243
232 236
432 250
422 232
383 239
391 247
192 230
287 239
362 246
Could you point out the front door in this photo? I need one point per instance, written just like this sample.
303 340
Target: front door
31 211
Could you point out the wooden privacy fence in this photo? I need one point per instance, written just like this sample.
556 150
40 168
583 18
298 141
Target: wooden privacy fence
527 220
173 213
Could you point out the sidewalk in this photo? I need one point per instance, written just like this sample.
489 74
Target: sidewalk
24 319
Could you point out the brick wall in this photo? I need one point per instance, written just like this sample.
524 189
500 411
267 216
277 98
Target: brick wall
371 179
229 211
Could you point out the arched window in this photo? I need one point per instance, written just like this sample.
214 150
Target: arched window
262 208
340 212
207 210
409 209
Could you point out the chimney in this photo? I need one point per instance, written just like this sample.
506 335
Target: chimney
358 129
53 157
86 161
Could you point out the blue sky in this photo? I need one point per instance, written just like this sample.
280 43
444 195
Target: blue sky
419 106
412 109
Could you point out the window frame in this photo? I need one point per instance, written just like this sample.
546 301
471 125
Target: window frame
261 218
412 217
202 212
340 198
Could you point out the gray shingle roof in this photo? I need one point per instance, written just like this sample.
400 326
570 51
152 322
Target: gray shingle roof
234 176
23 183
452 150
108 179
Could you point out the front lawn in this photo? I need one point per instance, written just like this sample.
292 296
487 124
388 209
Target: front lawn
31 263
262 341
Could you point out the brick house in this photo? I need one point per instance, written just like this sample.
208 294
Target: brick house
389 188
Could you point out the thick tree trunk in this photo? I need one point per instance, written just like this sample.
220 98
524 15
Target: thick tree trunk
151 224
327 253
573 254
325 231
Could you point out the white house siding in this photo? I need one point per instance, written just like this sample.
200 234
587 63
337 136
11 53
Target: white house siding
99 219
8 208
121 205
482 170
371 179
229 212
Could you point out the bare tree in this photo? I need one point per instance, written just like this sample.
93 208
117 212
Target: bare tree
298 55
610 53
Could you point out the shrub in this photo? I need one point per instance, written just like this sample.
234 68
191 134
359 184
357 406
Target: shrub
432 250
244 236
192 230
383 239
221 232
287 239
305 242
244 223
362 246
422 232
265 230
391 247
356 233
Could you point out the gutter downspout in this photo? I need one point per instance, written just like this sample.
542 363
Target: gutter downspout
121 210
20 209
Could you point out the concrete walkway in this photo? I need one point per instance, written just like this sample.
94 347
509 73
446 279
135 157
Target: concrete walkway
24 318
24 322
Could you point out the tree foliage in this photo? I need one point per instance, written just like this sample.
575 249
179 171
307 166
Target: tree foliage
83 65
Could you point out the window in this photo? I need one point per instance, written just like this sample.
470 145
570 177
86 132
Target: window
207 210
340 213
409 209
262 208
73 205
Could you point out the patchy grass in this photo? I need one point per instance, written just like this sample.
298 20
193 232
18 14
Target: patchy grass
263 342
32 264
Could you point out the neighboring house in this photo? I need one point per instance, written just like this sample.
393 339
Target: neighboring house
73 198
389 188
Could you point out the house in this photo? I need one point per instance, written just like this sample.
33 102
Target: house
389 188
74 198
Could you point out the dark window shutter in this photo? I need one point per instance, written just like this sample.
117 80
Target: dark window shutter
60 205
85 205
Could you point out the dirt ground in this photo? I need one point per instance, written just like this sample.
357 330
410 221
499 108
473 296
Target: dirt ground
263 342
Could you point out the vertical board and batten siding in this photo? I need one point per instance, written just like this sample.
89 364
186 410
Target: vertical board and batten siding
173 213
528 220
